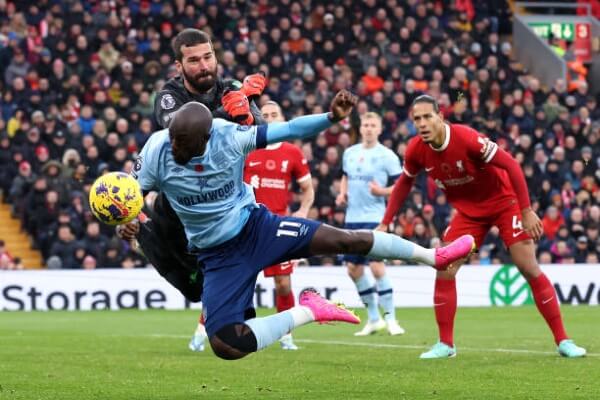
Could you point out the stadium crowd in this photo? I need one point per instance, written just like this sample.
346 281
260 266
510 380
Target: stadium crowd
78 81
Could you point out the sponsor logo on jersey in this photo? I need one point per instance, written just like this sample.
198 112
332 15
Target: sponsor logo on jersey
208 196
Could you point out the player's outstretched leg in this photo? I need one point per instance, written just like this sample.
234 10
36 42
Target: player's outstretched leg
235 341
199 337
381 245
544 295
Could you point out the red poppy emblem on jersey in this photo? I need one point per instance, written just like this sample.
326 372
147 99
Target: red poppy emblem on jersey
199 168
271 165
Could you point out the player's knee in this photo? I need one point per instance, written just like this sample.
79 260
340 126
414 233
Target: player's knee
354 242
233 342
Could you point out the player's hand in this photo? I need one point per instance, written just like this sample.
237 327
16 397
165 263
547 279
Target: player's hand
532 225
300 213
382 227
376 189
342 104
129 230
236 104
341 199
254 85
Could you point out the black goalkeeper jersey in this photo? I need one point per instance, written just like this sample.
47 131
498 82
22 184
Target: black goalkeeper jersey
174 94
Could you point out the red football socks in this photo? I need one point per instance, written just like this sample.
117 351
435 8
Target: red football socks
547 303
284 302
444 305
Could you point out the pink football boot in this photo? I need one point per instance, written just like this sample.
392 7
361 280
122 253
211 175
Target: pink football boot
460 248
324 310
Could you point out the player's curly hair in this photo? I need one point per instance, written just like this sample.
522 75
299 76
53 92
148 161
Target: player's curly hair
189 37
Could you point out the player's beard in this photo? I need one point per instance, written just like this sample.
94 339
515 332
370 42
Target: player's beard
204 85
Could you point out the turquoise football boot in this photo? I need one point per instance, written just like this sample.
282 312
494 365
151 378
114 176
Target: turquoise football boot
439 350
568 348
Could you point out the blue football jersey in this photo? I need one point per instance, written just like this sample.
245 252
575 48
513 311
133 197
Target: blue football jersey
208 193
361 166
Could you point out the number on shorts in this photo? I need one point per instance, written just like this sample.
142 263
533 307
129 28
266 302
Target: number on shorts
291 228
517 224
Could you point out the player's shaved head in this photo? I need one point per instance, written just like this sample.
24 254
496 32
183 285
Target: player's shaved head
189 131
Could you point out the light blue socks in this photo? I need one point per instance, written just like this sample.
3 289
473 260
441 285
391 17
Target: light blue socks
268 330
387 245
386 297
367 292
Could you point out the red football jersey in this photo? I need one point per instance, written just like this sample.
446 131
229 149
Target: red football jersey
460 168
270 171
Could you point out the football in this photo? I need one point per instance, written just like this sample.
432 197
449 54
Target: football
116 198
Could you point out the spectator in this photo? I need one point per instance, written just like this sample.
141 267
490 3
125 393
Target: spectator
64 248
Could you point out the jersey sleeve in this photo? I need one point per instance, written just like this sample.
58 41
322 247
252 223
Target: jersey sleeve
479 147
392 164
245 138
412 164
300 169
165 106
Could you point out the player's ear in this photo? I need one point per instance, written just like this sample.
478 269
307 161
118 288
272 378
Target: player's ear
179 66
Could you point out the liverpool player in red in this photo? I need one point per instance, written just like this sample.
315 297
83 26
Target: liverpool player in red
270 171
487 187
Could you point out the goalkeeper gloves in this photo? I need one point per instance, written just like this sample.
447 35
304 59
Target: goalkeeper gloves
254 85
235 103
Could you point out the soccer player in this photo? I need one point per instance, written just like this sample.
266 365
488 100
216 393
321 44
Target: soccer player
161 236
368 168
487 187
198 163
270 171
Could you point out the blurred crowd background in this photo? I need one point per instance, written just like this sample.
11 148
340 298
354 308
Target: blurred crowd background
78 81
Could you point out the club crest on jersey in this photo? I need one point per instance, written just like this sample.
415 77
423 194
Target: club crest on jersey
167 102
203 182
459 166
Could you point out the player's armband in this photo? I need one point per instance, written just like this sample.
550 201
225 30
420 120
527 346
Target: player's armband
488 148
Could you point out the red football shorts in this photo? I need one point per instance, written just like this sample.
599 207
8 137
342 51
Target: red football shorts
508 222
285 268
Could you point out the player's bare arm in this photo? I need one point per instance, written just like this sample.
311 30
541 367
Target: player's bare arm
377 190
342 197
308 198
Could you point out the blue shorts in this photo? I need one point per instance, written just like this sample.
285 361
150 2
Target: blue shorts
231 268
357 258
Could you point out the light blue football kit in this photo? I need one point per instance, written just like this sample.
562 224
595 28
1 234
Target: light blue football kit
364 211
235 238
363 165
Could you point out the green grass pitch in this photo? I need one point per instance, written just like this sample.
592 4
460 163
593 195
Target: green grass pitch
503 353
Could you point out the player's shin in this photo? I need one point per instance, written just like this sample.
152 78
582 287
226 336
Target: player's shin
444 306
365 285
385 292
269 329
547 304
387 245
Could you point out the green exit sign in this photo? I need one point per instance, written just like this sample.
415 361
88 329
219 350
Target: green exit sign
560 30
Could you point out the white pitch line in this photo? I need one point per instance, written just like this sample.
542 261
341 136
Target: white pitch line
398 346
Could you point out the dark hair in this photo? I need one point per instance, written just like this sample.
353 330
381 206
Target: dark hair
425 98
188 37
